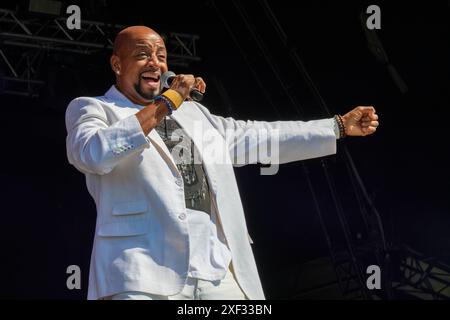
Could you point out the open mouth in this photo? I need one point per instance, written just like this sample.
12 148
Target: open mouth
150 77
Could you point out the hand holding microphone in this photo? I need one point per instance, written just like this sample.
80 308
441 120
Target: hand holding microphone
186 85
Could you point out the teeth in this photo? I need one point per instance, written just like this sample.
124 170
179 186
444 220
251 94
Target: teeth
150 76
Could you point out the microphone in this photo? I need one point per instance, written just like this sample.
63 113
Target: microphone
166 80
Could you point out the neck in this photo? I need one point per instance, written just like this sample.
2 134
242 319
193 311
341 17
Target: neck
130 97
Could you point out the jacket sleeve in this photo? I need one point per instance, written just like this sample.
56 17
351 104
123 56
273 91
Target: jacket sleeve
275 142
93 144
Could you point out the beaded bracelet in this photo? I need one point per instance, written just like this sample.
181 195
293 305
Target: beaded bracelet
167 102
340 122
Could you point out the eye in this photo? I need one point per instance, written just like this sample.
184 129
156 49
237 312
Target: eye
142 55
161 57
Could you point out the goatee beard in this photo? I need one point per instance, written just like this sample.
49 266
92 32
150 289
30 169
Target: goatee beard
146 96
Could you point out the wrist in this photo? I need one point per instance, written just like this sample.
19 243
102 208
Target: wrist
174 96
336 128
166 102
339 122
171 99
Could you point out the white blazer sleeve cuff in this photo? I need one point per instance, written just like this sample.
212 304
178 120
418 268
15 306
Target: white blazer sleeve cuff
126 136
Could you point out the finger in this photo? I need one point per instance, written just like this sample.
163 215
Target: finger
366 109
370 130
184 79
200 84
371 115
190 78
370 124
184 76
187 79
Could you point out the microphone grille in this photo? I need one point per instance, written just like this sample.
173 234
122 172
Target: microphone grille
166 78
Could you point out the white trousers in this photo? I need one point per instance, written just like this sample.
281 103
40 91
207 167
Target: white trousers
195 289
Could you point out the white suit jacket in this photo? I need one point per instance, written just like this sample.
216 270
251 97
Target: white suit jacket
141 238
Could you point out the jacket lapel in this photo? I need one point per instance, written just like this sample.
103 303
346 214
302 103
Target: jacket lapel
159 144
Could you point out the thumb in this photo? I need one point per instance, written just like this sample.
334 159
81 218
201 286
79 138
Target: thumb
355 115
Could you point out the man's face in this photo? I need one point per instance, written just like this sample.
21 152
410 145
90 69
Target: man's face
142 59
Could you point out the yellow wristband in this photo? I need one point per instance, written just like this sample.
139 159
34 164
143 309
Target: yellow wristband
174 97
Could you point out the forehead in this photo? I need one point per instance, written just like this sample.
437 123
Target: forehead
151 41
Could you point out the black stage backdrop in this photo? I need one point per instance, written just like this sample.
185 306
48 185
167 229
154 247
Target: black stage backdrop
48 217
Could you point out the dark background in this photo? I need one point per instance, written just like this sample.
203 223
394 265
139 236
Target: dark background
48 217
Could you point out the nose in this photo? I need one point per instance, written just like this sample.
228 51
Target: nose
153 61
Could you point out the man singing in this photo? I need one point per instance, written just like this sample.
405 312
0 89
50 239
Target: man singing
169 228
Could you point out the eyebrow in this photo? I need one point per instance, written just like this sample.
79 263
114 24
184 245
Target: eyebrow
158 48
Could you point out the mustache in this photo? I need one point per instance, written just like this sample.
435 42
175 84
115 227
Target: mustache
155 70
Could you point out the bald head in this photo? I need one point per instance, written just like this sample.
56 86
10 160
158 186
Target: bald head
128 37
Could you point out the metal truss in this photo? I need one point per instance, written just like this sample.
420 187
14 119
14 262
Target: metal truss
24 41
425 278
332 278
414 276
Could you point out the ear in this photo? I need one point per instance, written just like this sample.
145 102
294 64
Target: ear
115 64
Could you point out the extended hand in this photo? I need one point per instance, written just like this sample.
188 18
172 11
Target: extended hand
361 121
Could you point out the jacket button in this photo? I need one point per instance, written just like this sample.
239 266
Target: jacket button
178 182
182 216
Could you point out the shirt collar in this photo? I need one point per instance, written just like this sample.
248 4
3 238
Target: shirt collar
115 95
